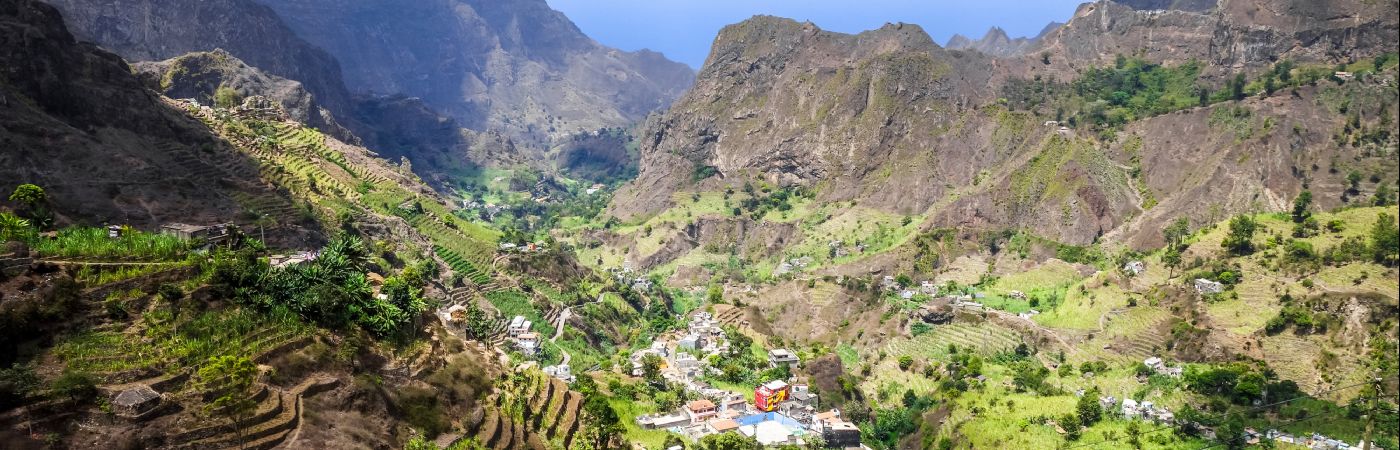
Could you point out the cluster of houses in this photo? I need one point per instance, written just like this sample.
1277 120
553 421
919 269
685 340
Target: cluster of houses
926 287
1145 410
781 414
486 211
684 354
792 265
1063 130
1313 441
1134 268
1207 287
1158 366
1134 410
625 275
562 372
528 247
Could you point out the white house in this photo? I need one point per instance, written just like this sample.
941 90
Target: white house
1204 286
1129 408
781 356
518 325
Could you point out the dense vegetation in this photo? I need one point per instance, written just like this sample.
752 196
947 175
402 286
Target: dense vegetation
332 290
1106 98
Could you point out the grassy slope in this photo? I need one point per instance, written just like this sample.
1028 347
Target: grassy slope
1295 357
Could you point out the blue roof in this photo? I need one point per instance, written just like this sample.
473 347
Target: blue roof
754 419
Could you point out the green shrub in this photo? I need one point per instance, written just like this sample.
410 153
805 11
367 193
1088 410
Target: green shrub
226 97
77 386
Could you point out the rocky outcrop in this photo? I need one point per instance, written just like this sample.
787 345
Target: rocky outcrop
511 65
1234 35
199 75
154 30
74 120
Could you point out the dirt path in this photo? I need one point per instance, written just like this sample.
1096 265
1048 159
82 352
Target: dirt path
563 318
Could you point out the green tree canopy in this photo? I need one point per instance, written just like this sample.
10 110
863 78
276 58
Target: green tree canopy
1300 206
1240 240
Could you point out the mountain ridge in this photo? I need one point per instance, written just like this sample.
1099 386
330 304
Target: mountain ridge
474 61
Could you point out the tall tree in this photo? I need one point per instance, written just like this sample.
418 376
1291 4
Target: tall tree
1301 205
1172 258
1175 232
1385 240
1240 240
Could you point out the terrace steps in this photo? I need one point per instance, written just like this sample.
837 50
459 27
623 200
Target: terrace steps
489 428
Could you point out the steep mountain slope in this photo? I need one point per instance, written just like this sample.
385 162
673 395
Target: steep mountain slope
792 104
516 66
152 30
997 43
874 133
77 122
1236 35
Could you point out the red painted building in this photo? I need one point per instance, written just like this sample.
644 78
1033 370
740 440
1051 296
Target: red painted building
767 396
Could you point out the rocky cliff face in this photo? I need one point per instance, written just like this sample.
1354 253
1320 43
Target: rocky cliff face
153 30
1243 34
997 43
199 76
516 66
74 120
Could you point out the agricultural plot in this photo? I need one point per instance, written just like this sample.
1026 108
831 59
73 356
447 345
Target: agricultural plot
467 268
983 338
1129 336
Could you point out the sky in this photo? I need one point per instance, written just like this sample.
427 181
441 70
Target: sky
684 29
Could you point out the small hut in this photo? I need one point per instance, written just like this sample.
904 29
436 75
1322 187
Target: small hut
136 401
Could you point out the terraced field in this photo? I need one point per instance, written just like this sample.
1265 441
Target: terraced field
549 412
984 338
464 266
1130 335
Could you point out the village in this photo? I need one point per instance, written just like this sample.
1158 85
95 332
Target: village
783 412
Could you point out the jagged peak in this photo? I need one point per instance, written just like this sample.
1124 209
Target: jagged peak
996 32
